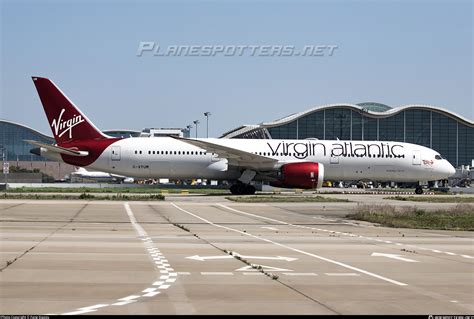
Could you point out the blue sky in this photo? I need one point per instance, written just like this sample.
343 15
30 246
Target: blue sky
393 52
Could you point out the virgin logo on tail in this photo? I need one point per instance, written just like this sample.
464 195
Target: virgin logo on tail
61 126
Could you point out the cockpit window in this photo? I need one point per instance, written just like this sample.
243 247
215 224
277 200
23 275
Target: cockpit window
438 157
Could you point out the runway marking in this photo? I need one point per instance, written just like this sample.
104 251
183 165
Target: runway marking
204 258
271 228
161 263
341 274
394 256
291 248
299 274
86 309
345 234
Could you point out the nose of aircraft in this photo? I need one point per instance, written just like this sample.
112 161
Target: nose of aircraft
450 169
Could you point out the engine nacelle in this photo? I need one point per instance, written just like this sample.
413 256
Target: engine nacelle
305 175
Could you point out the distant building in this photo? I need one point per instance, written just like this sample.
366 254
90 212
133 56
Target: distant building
450 134
163 132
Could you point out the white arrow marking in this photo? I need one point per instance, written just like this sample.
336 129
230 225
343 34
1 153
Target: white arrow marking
266 268
203 258
393 256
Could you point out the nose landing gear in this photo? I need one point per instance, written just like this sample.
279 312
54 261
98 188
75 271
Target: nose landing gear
418 190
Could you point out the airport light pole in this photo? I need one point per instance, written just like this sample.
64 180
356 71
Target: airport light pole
189 127
206 114
196 123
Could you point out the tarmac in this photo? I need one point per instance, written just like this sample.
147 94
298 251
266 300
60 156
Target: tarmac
208 255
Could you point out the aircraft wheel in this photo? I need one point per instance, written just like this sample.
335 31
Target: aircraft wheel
241 189
418 190
249 190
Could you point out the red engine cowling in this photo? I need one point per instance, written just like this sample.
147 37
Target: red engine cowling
300 175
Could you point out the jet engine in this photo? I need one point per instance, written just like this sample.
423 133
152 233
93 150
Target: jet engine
304 175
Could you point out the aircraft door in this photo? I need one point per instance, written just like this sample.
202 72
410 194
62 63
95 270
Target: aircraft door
416 158
115 155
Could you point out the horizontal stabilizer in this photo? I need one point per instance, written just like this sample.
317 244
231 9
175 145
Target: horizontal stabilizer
58 149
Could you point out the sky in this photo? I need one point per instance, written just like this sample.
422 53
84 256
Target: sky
392 52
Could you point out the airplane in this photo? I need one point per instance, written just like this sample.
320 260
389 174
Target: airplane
81 172
303 164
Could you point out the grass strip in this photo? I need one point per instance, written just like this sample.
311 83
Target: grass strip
460 217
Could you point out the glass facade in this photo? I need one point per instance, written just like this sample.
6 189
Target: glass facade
12 138
449 135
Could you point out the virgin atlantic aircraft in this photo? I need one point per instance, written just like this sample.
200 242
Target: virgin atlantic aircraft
282 163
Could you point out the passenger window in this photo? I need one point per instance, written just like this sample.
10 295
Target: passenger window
438 157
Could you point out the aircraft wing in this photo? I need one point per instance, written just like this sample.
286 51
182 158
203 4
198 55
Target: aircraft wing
58 149
235 157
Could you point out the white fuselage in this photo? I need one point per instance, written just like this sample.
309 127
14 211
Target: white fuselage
164 157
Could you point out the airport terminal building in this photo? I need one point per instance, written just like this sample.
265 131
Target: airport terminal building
448 133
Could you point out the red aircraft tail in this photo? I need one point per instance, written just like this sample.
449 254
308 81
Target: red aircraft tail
67 122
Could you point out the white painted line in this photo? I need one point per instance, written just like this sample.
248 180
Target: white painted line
452 254
86 309
129 298
170 280
158 283
300 274
342 274
394 256
224 273
121 303
164 287
288 247
252 273
153 252
270 228
183 273
151 294
149 290
325 230
435 250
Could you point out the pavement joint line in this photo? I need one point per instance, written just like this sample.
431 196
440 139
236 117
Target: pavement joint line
350 235
371 274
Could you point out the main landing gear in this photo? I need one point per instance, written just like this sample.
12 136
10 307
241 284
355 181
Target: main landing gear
242 189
